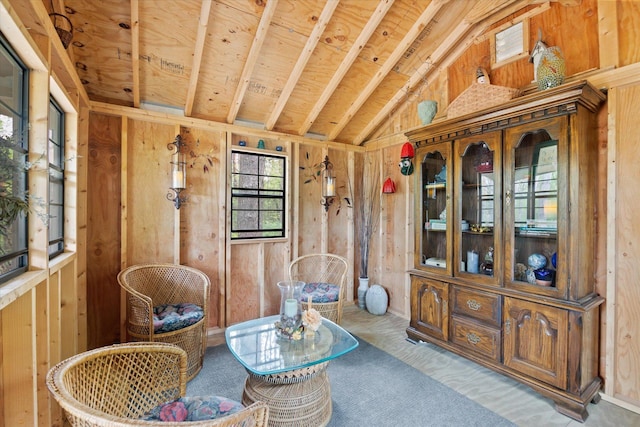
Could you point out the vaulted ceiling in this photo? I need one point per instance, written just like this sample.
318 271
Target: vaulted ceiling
331 70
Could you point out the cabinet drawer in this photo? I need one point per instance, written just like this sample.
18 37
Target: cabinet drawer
479 305
481 339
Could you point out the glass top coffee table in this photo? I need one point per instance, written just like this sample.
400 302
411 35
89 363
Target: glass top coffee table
289 375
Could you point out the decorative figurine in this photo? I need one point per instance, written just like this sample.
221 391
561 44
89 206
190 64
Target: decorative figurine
406 167
536 54
482 77
487 265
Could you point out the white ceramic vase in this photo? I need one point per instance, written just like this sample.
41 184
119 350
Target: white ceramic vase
363 287
377 300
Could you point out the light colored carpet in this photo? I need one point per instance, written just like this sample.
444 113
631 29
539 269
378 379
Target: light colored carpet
369 388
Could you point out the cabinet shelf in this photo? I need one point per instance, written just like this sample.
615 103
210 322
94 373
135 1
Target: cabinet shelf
478 233
536 233
435 185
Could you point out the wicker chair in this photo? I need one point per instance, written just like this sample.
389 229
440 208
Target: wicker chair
153 285
115 385
322 268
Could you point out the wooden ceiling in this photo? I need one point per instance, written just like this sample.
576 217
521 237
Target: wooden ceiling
332 70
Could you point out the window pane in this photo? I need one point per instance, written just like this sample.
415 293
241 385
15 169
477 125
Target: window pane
258 195
271 204
273 183
271 220
13 171
55 226
245 181
244 220
244 203
56 179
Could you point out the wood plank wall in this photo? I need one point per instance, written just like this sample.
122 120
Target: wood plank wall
624 256
128 183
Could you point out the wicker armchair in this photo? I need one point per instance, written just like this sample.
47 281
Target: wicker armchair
322 268
154 285
115 385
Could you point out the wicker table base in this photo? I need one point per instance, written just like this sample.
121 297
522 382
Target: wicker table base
296 398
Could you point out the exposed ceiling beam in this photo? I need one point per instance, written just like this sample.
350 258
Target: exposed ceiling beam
203 23
413 33
135 51
252 58
304 57
347 62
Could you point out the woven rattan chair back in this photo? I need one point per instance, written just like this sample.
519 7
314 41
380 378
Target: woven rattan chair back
115 385
150 285
322 268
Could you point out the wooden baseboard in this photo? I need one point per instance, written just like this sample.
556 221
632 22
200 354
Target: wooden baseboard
621 403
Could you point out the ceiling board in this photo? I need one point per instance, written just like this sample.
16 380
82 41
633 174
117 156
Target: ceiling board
102 48
227 45
281 49
166 51
339 92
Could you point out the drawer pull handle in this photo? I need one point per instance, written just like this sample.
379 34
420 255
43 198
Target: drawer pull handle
473 305
507 198
473 338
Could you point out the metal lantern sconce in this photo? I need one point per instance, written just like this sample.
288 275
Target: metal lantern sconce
328 184
178 172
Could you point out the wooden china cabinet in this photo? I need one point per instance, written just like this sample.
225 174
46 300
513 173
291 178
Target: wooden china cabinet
505 241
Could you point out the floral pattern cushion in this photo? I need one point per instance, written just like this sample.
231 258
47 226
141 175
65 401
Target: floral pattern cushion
194 408
171 317
320 292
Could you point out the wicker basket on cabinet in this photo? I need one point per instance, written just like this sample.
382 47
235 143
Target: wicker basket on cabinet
479 96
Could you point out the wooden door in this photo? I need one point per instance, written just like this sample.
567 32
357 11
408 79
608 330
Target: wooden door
535 340
430 307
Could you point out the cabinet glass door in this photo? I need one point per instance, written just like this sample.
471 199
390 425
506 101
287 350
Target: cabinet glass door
535 184
478 210
434 208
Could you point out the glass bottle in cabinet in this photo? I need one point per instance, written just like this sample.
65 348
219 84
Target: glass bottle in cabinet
434 208
478 216
535 204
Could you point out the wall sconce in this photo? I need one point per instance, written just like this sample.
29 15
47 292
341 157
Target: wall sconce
178 172
328 184
389 186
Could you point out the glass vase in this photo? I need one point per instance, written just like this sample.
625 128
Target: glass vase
290 307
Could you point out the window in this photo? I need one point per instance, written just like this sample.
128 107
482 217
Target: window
13 162
257 195
56 179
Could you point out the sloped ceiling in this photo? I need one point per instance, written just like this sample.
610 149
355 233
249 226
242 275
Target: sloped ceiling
332 70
